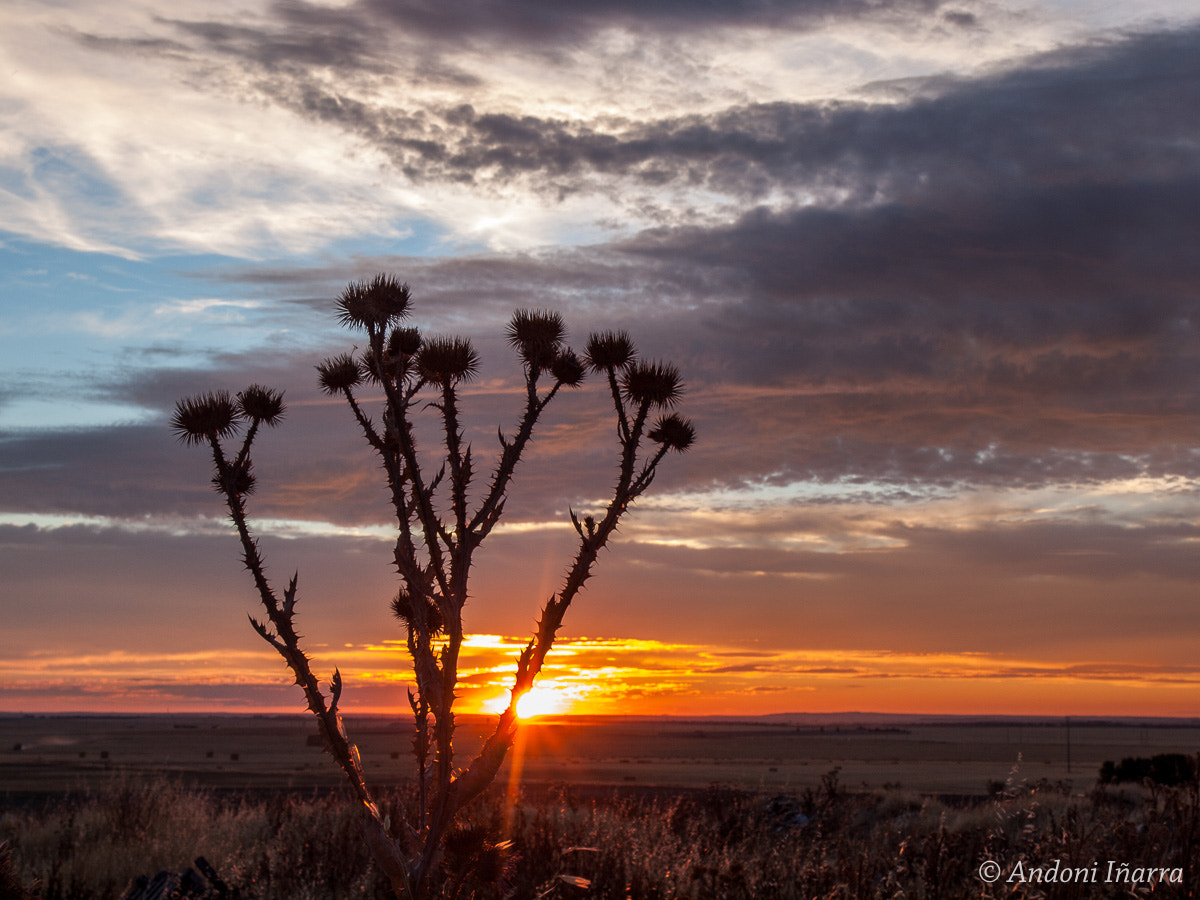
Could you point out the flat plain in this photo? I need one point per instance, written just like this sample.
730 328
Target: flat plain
50 753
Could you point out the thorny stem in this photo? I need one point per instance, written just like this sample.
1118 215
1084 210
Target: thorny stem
434 561
483 770
287 643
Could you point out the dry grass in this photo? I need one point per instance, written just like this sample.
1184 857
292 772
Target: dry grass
91 845
821 842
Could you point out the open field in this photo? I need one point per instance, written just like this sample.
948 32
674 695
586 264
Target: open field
643 808
41 754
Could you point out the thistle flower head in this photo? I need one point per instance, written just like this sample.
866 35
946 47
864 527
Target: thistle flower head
338 373
674 432
654 384
374 370
447 360
609 350
205 417
237 480
405 608
536 335
373 304
567 369
261 404
404 341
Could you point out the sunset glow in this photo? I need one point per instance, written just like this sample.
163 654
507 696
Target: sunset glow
598 677
928 272
543 700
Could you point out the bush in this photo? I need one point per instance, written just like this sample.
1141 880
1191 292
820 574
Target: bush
1165 770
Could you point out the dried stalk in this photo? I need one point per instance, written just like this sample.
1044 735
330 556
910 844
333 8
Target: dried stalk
433 557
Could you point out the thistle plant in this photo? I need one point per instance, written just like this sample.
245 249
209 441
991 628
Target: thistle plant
441 520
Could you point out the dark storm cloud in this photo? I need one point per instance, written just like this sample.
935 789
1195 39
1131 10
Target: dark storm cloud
1072 244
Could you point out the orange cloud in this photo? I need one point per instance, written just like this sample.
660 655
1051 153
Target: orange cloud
619 676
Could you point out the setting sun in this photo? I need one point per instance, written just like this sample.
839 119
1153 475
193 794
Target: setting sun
542 700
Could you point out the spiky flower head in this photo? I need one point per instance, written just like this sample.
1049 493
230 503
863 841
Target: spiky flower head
406 606
609 350
205 417
654 384
261 404
404 341
674 432
536 335
374 370
236 479
374 304
338 373
447 360
567 369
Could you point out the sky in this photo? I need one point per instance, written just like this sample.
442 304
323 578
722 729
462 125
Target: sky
928 269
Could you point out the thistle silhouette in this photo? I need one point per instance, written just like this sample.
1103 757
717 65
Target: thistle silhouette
433 552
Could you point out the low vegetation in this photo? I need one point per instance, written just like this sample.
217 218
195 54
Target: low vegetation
822 842
1164 769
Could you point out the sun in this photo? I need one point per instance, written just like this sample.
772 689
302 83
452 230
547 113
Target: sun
541 701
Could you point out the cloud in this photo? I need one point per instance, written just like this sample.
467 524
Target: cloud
930 281
542 20
991 275
586 675
702 117
1040 122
